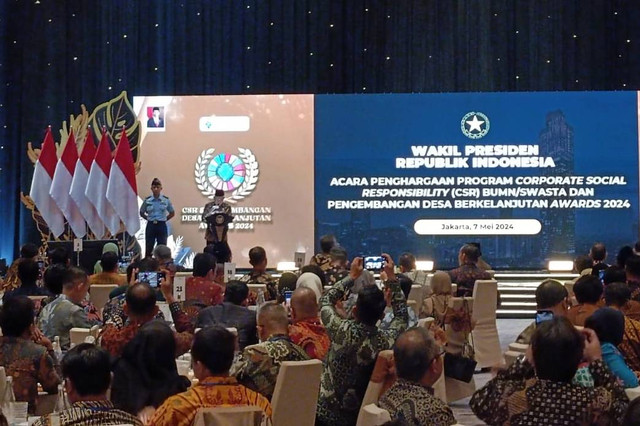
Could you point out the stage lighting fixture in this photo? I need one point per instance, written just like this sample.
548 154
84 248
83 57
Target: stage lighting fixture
560 266
424 265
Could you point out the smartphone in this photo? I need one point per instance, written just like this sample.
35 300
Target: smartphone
373 263
542 316
151 278
601 275
287 298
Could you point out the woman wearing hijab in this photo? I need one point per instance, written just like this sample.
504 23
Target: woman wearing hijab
609 326
436 305
109 247
146 374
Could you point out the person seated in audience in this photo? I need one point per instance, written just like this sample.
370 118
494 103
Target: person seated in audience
286 282
613 274
146 374
87 372
588 291
632 416
66 311
163 255
258 365
201 286
623 254
632 270
113 311
598 253
405 285
312 281
608 324
315 269
323 259
108 247
25 353
468 272
618 296
355 344
11 280
233 312
28 273
306 329
582 265
407 264
258 273
58 256
536 389
439 302
339 264
482 264
140 307
419 364
552 300
53 278
109 274
212 355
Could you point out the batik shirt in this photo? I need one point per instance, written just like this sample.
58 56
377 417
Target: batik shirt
630 346
263 278
311 336
89 413
516 397
323 260
335 274
465 276
29 364
113 311
416 405
204 291
60 316
258 366
181 409
352 355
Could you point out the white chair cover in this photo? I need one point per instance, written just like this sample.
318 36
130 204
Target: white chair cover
417 294
374 388
99 294
372 415
455 389
295 396
485 332
231 416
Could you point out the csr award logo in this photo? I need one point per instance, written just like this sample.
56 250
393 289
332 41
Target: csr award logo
228 172
474 125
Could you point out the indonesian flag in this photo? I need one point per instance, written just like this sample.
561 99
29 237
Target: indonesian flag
62 184
79 185
122 191
96 190
41 183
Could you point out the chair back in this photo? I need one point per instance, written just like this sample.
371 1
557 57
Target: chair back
426 322
485 334
230 416
417 294
99 294
3 383
454 289
372 415
572 296
77 335
456 389
413 304
379 382
257 287
295 396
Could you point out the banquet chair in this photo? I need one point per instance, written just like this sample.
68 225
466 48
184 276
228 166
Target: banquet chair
257 287
572 296
454 289
99 294
632 393
416 294
413 304
456 389
485 332
295 396
382 377
372 415
79 335
250 415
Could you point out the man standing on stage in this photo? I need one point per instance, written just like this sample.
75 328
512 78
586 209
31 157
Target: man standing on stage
217 216
157 210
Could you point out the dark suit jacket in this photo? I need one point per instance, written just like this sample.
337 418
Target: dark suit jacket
151 123
227 314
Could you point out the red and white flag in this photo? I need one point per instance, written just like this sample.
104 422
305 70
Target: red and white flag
61 185
41 184
96 190
79 185
122 191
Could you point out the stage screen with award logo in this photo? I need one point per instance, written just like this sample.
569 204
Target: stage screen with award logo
257 149
529 176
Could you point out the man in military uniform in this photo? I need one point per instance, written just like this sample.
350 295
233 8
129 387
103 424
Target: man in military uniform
157 210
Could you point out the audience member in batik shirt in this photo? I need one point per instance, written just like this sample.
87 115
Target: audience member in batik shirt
258 365
419 364
617 296
87 372
405 285
323 259
306 329
202 287
537 389
588 292
552 298
25 353
11 280
632 270
355 344
468 272
258 274
212 354
339 264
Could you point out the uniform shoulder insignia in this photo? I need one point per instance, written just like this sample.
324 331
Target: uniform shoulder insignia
165 197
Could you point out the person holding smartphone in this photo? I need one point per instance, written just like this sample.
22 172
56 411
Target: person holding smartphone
552 300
